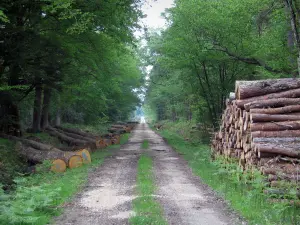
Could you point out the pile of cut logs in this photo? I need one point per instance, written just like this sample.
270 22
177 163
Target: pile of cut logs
79 146
261 128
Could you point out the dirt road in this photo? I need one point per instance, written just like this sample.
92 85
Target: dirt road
111 188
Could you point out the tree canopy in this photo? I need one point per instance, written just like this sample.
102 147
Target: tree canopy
210 44
68 59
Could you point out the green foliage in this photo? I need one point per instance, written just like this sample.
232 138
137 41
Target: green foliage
207 46
242 190
82 51
147 210
3 17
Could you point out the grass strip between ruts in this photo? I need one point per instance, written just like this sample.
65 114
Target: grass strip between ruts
147 210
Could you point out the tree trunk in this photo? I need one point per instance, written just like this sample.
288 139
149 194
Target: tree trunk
46 106
294 20
36 122
273 118
281 110
288 125
248 89
58 118
280 102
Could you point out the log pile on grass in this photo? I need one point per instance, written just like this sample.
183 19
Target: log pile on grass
80 145
260 127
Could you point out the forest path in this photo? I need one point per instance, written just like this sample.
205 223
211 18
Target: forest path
107 198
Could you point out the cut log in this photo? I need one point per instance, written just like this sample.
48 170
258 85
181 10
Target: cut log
58 166
64 138
290 150
75 161
273 103
38 156
278 126
285 94
247 89
277 134
281 110
276 140
117 130
275 118
117 126
79 132
85 155
33 144
77 136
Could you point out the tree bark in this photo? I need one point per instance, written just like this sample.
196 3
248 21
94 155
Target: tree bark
77 136
70 141
278 126
279 149
275 118
276 140
295 93
277 134
280 110
248 89
58 118
79 132
46 107
280 102
36 121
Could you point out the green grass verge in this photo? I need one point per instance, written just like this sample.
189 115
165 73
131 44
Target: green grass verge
233 185
41 196
145 144
147 210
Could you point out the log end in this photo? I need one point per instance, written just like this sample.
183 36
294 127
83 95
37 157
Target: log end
58 166
75 161
85 155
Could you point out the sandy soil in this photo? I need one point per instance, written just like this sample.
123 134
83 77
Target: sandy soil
109 193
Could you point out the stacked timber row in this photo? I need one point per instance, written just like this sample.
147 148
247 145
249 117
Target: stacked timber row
261 128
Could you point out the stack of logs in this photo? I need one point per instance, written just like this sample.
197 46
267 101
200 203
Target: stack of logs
79 146
261 128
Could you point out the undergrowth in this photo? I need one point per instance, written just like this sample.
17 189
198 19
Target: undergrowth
10 163
147 210
41 196
243 191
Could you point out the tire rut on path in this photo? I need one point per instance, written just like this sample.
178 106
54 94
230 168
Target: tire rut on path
107 198
183 196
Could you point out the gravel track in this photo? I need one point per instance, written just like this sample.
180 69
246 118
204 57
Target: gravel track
107 197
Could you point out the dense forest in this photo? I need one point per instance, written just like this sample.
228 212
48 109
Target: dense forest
208 45
67 61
